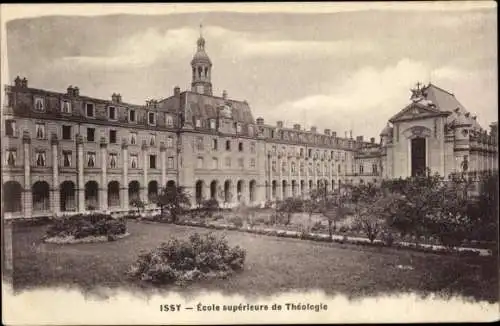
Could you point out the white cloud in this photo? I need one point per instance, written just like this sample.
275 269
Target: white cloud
145 48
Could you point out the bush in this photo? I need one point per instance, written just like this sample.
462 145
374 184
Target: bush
185 261
236 221
81 226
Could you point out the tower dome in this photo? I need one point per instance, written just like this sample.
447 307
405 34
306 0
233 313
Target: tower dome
201 67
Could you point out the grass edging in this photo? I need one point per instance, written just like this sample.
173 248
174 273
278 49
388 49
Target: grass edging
89 239
338 239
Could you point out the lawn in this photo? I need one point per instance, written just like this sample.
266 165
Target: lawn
272 265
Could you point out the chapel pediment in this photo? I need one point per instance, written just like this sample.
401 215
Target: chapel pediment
415 111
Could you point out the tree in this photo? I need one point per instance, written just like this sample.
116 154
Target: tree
289 206
175 200
333 207
138 204
366 201
208 207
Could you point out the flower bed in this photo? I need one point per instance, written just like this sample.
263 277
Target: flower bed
95 227
181 262
336 238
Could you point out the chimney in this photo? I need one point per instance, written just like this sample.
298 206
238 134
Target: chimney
76 91
372 140
114 98
279 124
327 132
224 94
296 126
260 121
70 90
24 83
359 138
345 134
334 134
177 91
17 82
313 129
119 98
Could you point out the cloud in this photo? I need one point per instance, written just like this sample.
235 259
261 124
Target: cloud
365 101
146 48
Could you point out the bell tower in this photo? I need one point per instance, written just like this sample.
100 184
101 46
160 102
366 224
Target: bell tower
201 69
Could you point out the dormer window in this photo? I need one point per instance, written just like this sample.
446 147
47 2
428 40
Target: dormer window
66 106
169 120
112 113
152 118
238 127
212 123
90 110
39 104
197 123
131 116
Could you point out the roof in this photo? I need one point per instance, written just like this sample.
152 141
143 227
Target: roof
206 106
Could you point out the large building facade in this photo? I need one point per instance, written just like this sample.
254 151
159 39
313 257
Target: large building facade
67 152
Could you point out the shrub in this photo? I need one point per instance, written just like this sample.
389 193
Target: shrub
317 227
236 221
184 261
81 226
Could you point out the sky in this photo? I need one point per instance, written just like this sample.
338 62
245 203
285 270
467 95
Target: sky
337 69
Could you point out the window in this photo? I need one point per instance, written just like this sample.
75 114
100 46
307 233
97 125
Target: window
374 168
89 109
228 162
361 168
199 164
152 161
301 152
273 166
214 144
228 145
91 159
10 128
283 167
66 132
274 149
250 130
112 113
40 159
199 143
40 130
339 169
252 163
90 134
67 159
293 167
302 168
241 163
169 121
113 159
11 157
309 154
112 136
252 148
215 163
10 99
151 118
39 104
197 123
133 138
170 163
66 106
152 140
212 124
131 115
238 127
134 161
170 142
310 168
240 146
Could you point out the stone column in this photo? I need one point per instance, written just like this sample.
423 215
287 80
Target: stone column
144 188
270 182
289 188
163 162
306 183
103 189
330 174
124 186
315 170
81 186
279 183
27 195
55 203
299 176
